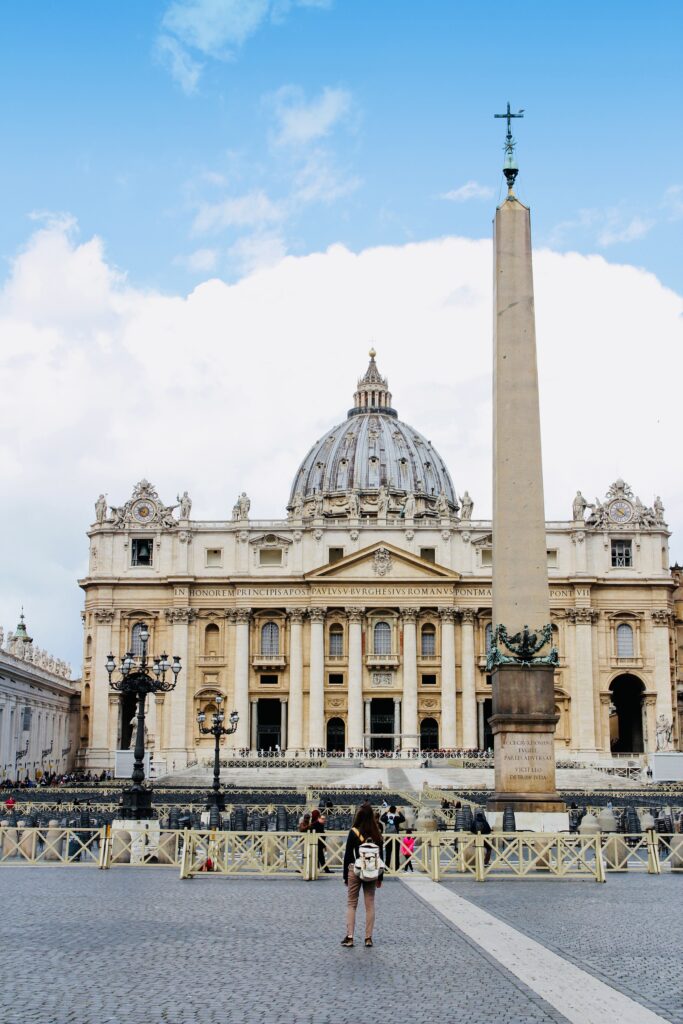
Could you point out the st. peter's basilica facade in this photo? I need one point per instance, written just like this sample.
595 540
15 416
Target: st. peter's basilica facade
361 620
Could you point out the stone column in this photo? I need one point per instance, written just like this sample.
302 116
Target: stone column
448 720
649 712
241 677
283 723
99 755
481 724
179 741
410 730
605 704
583 618
397 723
295 739
316 697
253 730
661 620
367 705
469 685
355 698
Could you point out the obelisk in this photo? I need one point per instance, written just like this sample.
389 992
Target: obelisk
521 656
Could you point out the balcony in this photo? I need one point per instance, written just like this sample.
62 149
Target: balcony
266 661
208 660
381 660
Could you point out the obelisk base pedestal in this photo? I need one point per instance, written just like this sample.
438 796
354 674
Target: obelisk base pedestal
523 725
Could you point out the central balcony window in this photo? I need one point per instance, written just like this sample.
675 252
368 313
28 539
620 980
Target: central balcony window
269 648
381 653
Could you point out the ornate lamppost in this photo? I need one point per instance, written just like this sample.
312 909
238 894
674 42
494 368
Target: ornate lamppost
136 679
216 798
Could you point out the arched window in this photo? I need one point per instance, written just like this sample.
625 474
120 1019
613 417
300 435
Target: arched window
211 638
336 640
135 641
381 638
88 647
489 636
428 640
270 639
624 641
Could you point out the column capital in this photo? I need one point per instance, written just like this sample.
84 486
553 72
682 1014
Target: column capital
104 616
242 615
296 615
355 614
410 614
662 616
397 700
230 615
175 615
584 616
448 614
468 615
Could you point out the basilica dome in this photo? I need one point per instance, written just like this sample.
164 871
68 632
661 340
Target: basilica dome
372 464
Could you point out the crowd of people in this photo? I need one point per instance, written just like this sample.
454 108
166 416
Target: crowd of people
57 779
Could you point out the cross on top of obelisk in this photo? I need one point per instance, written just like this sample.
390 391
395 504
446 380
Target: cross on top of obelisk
510 169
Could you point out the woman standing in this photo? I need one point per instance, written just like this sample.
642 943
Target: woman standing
364 831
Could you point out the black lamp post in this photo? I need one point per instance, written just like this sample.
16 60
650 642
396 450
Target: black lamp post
217 729
136 801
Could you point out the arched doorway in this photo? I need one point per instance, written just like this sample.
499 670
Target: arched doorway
429 734
128 722
268 721
336 735
626 725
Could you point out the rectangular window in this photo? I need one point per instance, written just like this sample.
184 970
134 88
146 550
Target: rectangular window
552 558
487 556
336 679
270 556
429 680
622 555
268 680
214 556
336 643
335 554
141 551
429 554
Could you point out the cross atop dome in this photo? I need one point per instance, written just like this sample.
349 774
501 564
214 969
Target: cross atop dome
372 393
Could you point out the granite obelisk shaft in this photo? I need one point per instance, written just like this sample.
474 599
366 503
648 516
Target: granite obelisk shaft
523 720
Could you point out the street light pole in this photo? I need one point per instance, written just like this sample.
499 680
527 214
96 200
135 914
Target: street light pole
135 679
217 729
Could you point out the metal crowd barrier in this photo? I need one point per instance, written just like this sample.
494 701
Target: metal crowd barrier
437 855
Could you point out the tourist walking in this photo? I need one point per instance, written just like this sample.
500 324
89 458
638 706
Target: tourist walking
481 826
318 825
408 849
363 868
392 821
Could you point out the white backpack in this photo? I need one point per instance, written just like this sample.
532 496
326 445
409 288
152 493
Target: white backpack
368 864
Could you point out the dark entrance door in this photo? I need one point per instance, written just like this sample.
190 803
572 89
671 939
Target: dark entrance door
129 722
335 735
627 697
381 721
488 732
268 724
429 734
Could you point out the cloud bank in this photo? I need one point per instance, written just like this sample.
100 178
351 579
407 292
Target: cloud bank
226 388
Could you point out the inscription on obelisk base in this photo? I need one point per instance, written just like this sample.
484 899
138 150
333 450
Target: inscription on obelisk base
523 724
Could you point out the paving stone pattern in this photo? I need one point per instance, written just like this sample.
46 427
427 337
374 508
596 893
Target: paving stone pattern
138 946
628 933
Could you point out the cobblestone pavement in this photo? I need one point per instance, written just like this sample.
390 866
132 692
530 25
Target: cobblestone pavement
138 946
628 933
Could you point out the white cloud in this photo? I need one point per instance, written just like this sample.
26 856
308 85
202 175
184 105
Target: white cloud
249 210
470 190
225 388
215 29
614 232
201 260
301 121
258 251
319 181
183 68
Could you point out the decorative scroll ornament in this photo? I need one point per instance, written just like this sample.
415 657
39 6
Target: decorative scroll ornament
382 562
523 648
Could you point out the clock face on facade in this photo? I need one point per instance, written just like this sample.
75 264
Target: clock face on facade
621 511
143 511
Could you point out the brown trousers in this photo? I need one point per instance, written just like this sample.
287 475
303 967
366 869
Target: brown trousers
369 898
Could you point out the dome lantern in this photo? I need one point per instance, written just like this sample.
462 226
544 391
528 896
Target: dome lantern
372 393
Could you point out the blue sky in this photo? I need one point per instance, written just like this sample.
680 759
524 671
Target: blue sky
96 125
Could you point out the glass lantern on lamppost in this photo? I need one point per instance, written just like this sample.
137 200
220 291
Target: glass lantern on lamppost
216 798
136 678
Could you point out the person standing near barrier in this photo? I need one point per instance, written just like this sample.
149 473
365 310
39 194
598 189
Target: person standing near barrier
392 821
318 825
408 849
480 826
363 844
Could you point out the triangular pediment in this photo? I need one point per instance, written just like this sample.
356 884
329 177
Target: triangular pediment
382 561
